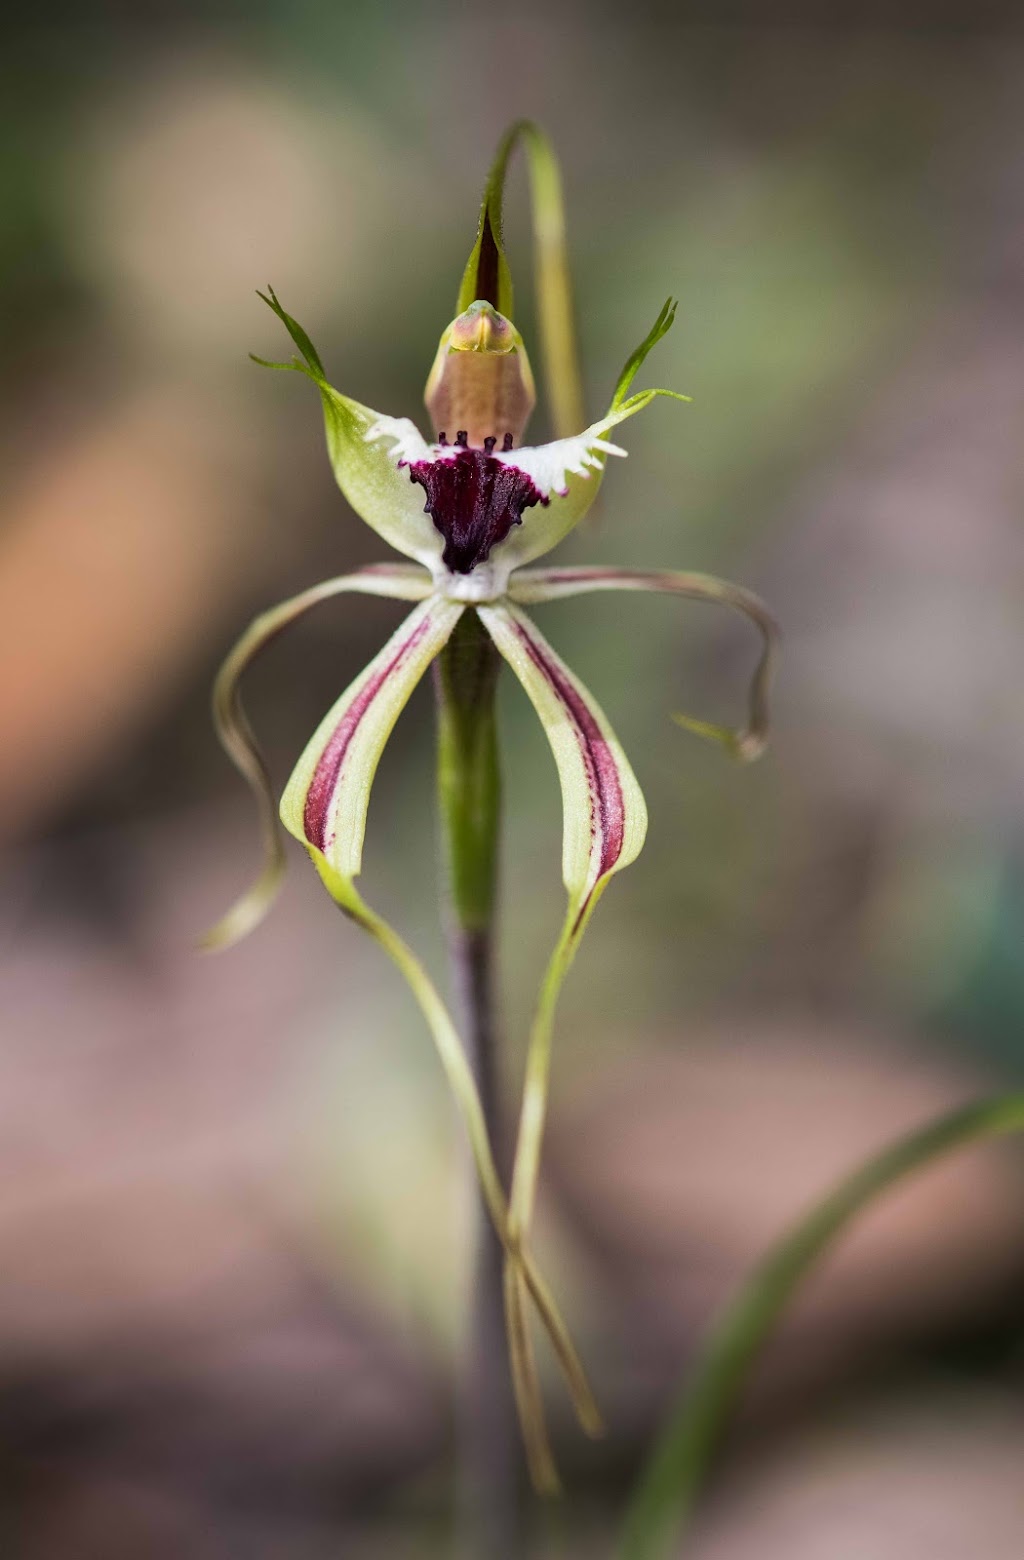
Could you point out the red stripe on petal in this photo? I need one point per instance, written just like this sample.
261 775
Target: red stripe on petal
316 813
607 808
593 576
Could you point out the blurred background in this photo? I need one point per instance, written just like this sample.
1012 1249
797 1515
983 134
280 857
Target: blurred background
233 1216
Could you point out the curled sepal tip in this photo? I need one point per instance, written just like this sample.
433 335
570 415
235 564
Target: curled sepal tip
745 746
248 911
746 743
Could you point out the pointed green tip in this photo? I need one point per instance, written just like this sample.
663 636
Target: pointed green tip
745 746
314 367
661 327
294 367
246 914
487 276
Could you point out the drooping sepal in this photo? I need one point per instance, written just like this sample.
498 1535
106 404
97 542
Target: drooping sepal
326 800
605 817
378 491
399 581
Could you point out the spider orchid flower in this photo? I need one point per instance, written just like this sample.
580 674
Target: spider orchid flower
470 509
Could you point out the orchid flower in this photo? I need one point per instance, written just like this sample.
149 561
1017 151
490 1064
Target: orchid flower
471 508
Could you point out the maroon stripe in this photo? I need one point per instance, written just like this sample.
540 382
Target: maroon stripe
325 776
607 809
570 576
488 265
591 576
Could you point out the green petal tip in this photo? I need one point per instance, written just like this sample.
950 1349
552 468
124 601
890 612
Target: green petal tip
312 365
246 914
662 325
746 746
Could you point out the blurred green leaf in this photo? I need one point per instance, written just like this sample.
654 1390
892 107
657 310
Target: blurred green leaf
664 1499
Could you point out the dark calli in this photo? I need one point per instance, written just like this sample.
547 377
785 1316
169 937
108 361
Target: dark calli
473 499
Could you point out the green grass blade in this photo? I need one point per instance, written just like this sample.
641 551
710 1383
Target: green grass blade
664 1498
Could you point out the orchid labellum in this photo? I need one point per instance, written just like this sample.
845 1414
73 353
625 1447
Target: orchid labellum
471 508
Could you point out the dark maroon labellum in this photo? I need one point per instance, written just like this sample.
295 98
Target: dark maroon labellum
474 500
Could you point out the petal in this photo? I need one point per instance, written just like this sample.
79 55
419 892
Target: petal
549 466
568 472
377 488
605 818
399 581
747 742
326 800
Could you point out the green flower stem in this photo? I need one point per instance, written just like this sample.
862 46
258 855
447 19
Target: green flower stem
663 1502
468 779
469 792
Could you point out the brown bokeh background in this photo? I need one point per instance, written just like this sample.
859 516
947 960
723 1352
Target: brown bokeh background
232 1209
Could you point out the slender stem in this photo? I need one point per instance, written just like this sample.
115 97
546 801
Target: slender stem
469 793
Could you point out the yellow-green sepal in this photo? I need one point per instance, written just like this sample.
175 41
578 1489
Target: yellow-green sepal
400 582
379 491
585 454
